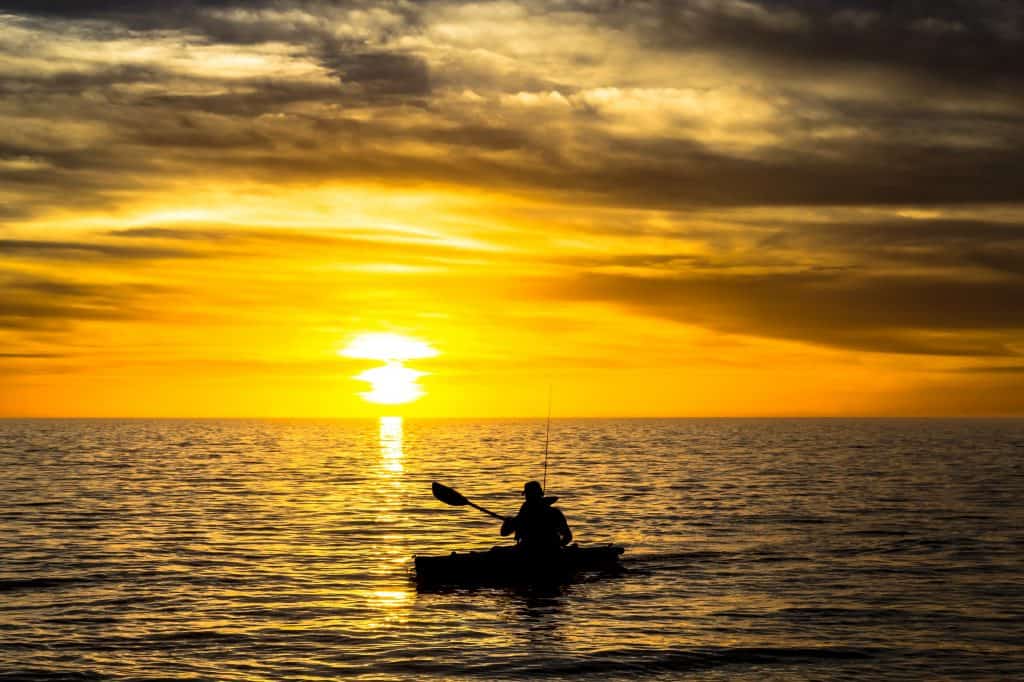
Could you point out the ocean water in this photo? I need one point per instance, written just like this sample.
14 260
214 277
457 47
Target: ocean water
756 549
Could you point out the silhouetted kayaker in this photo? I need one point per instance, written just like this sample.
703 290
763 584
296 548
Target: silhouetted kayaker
538 526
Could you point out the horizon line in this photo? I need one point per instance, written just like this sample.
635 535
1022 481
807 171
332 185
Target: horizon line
502 417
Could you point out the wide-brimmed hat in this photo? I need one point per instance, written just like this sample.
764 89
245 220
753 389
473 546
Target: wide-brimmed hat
533 489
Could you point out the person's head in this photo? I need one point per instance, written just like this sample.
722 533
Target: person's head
533 491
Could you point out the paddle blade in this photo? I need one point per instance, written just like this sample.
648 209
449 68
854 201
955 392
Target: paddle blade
448 495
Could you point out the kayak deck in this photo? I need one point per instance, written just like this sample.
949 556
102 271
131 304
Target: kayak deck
510 565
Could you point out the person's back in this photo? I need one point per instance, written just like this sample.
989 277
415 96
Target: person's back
538 527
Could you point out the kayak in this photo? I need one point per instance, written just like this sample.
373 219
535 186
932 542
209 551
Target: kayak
510 565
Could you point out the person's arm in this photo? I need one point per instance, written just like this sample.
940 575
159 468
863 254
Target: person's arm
563 529
511 523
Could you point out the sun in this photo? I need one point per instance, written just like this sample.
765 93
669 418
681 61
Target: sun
393 383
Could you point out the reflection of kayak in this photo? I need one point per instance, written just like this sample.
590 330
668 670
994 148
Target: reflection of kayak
510 565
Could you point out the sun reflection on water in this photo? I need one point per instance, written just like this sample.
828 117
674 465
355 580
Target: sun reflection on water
390 600
391 444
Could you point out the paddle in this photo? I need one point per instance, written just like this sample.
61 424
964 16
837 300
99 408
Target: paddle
457 499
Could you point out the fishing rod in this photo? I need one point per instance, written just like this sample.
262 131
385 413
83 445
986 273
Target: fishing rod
547 439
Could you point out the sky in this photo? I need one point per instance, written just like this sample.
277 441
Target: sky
685 208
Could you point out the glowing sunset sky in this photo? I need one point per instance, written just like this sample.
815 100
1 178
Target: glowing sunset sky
660 208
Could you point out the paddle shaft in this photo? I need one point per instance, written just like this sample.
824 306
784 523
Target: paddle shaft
485 510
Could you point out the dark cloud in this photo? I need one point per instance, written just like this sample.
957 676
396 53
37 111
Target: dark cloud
970 42
655 173
85 8
961 145
125 10
373 72
879 313
69 82
671 173
352 246
175 233
30 303
181 115
997 369
901 154
36 249
380 74
954 245
44 176
32 356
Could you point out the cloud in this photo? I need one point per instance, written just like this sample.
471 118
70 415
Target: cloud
380 74
349 245
993 369
122 10
567 101
649 126
934 286
36 249
31 356
175 233
960 247
880 313
971 44
39 303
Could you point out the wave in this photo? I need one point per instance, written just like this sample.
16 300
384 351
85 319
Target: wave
701 659
639 661
39 675
18 584
671 557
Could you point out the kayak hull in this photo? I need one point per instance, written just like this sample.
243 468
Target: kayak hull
510 565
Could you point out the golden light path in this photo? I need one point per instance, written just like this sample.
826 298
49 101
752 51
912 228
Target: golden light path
391 433
393 383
